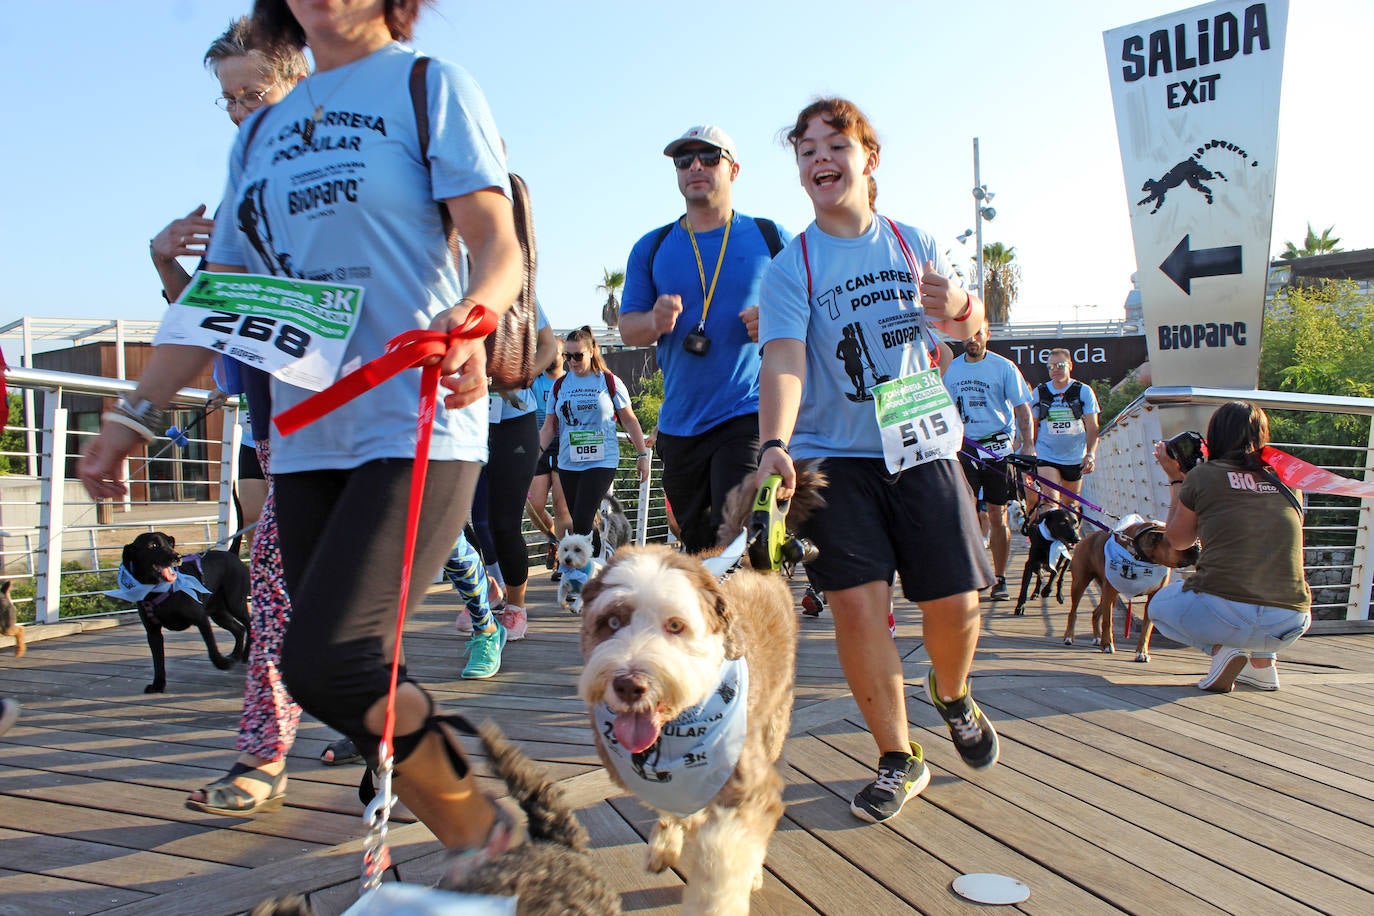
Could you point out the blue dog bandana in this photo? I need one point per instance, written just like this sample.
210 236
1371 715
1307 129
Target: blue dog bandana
694 754
134 591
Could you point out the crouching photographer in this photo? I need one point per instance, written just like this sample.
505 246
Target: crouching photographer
1248 599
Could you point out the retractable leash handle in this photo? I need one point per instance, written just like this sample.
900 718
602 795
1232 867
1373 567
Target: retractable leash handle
405 351
770 546
767 525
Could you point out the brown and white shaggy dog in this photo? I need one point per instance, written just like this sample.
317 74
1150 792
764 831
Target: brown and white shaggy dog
659 634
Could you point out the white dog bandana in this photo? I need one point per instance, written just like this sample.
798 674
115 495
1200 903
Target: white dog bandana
134 591
1129 576
695 753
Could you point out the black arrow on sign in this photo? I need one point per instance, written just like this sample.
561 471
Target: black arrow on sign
1184 266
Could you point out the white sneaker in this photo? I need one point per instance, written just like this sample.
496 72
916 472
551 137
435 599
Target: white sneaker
463 624
1259 678
1226 664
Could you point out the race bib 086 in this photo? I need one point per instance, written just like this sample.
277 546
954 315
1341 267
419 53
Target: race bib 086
297 330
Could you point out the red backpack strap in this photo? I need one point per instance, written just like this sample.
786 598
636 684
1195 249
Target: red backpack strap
806 261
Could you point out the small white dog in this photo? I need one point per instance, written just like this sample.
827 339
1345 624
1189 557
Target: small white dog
577 563
688 682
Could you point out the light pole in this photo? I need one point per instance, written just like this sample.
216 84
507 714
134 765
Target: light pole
982 210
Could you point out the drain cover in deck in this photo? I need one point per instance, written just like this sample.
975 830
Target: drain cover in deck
988 888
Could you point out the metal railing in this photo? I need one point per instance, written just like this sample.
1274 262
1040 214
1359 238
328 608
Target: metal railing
52 532
55 535
1337 531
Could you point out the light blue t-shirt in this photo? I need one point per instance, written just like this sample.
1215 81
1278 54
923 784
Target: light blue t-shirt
1059 437
539 390
586 421
702 392
862 323
511 404
987 393
357 205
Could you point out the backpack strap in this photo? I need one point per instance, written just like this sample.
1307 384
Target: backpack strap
419 100
1043 399
1073 397
659 236
771 237
248 138
610 385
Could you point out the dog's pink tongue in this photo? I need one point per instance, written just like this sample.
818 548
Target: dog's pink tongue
169 573
636 731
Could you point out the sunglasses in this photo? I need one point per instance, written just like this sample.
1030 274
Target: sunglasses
1059 365
574 357
709 158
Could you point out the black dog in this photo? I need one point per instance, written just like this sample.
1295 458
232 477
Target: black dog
1063 528
152 559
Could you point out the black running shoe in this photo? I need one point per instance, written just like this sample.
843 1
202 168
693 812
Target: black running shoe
973 735
900 777
999 589
813 602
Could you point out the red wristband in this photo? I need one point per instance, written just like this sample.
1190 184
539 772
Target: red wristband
968 309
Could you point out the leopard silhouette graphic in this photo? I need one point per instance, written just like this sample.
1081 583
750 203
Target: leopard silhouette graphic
1192 172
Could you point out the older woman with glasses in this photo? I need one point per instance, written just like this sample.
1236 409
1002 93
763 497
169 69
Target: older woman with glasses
249 79
582 412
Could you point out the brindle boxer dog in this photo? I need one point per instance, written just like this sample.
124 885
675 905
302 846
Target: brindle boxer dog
1144 557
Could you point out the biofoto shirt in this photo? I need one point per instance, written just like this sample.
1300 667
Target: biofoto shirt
357 205
862 324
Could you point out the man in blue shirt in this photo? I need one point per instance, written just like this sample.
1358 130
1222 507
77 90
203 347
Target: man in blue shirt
691 289
994 404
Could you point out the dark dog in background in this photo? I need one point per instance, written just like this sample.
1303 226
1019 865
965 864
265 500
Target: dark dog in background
151 559
1062 527
9 620
614 525
1144 545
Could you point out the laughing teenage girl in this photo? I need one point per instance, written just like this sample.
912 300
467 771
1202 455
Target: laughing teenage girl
846 318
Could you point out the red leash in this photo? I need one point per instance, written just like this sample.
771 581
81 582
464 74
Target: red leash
413 348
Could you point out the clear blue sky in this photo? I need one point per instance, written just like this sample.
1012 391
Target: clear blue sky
110 130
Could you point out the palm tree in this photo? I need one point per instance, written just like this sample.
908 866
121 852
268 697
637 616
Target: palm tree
611 280
1001 282
1313 244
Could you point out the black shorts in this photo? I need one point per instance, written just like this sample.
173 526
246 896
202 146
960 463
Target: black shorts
548 460
991 477
921 525
249 466
1067 472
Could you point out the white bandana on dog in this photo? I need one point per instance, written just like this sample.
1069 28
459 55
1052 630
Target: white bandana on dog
134 591
1129 576
694 754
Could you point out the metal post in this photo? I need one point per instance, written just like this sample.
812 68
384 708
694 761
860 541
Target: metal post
30 419
51 510
1362 571
978 219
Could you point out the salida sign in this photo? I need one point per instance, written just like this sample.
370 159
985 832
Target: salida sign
1197 97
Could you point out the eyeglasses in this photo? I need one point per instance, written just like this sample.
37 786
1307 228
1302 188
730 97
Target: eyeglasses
709 158
1059 365
248 100
575 357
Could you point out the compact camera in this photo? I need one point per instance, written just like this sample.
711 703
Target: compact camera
1188 448
696 343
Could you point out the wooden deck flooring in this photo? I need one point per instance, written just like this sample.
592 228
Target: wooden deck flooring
1121 787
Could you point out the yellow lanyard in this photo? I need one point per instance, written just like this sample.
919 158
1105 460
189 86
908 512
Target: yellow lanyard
708 294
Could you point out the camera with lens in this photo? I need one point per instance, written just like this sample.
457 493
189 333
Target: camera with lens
696 343
1188 448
